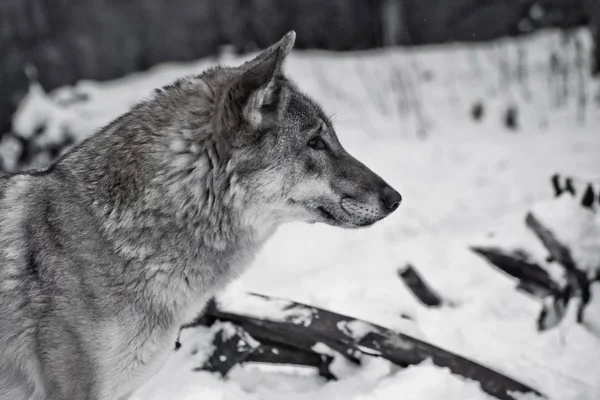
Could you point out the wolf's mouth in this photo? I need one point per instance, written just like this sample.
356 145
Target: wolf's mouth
326 214
343 220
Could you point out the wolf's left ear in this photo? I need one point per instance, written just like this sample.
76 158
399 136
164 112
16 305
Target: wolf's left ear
254 98
284 46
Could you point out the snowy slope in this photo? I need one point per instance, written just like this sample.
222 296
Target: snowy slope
408 115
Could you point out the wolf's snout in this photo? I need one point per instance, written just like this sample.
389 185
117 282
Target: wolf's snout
391 198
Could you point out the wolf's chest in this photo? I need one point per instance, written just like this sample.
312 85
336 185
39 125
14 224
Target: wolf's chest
134 362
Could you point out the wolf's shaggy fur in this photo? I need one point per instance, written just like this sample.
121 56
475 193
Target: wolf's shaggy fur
105 254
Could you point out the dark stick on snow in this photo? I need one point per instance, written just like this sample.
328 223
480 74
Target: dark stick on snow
587 201
422 291
557 250
561 254
533 279
559 189
556 185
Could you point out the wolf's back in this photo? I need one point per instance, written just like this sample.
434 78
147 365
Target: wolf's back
13 297
3 184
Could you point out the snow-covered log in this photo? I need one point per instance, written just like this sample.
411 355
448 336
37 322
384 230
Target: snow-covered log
302 328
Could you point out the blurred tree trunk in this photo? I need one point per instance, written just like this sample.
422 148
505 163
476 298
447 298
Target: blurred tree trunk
393 18
593 10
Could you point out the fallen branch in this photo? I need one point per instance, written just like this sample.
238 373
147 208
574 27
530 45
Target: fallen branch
533 279
301 327
558 251
577 281
417 285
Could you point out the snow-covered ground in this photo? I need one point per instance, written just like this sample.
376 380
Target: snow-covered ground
408 114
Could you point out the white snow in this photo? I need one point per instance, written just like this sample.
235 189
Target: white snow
407 114
356 329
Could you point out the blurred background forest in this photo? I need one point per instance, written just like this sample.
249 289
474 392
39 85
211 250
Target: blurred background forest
69 40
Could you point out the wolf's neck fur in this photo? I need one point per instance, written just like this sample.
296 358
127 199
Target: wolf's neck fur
166 197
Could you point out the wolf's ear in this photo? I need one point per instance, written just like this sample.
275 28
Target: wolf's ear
253 100
284 46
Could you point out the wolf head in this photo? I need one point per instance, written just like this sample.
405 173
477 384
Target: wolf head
289 162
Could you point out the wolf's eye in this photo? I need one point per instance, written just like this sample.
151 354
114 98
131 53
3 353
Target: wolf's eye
317 143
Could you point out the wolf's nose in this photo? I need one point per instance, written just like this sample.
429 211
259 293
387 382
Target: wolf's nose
391 198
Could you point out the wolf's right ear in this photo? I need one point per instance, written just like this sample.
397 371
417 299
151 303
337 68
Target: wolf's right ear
253 100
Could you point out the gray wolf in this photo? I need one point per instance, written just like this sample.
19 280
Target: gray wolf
122 240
